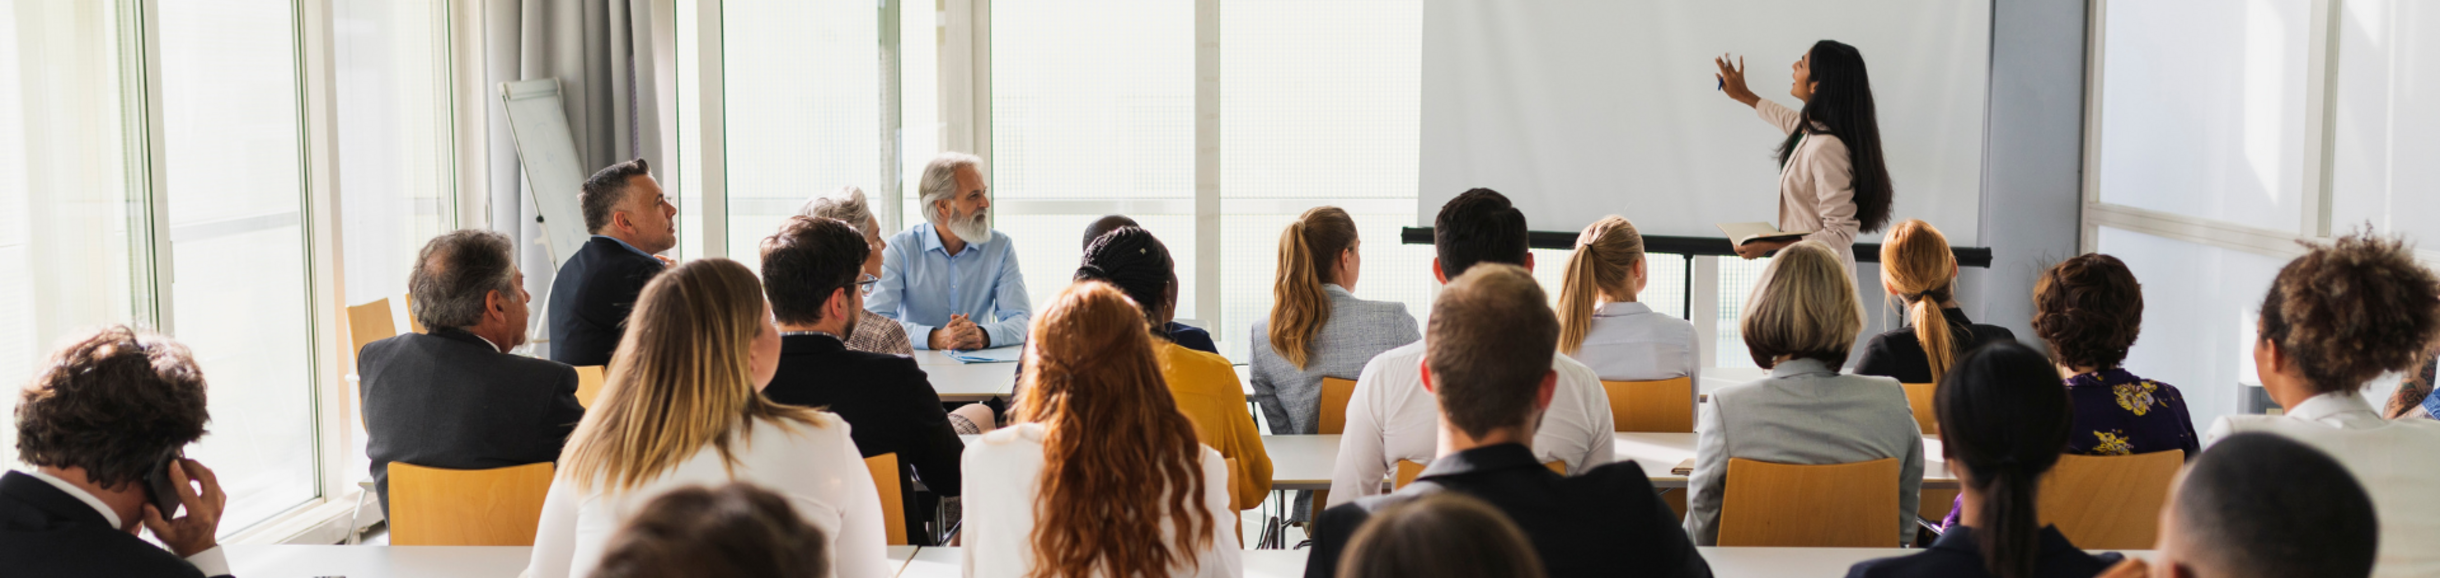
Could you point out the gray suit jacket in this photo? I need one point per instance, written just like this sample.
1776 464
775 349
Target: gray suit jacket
1357 330
1806 412
449 399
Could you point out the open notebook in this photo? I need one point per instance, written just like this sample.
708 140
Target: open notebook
1742 233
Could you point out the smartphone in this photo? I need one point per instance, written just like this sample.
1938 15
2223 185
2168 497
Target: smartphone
164 489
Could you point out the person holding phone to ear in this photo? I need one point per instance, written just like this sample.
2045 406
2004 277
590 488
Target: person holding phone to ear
103 427
1832 181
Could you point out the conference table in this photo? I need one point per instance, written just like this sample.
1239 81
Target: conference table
302 561
958 381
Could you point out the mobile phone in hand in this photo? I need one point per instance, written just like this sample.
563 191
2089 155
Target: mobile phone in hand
164 489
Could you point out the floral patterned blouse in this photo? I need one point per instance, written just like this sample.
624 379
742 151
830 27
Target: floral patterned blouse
2120 414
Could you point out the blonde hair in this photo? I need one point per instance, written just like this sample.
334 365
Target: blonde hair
1605 258
1916 261
1804 306
679 381
1308 250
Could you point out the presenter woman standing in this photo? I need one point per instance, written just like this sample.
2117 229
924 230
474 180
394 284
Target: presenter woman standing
1831 179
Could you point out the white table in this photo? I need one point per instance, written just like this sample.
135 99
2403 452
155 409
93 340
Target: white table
1725 562
1658 453
960 381
945 562
292 561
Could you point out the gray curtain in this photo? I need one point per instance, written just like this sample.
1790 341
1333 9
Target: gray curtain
601 51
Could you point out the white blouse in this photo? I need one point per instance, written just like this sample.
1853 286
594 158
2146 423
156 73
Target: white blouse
1817 187
817 468
1628 341
1003 476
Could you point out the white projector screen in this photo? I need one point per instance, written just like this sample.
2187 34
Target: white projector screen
1577 109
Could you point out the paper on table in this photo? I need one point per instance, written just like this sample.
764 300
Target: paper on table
1742 233
993 355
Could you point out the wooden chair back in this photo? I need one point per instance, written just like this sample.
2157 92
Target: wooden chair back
2109 502
1919 397
893 503
408 301
368 323
588 384
1408 470
1837 505
1652 406
1335 394
443 507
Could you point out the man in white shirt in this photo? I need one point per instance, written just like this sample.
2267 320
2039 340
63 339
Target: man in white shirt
1391 418
102 427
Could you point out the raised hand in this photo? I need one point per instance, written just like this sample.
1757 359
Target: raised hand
195 531
1732 80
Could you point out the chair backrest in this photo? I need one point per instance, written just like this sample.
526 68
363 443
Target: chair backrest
442 507
1919 396
407 300
588 384
1652 406
368 323
1408 470
2109 502
1837 505
1335 393
893 504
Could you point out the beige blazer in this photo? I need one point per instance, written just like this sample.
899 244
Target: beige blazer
1816 189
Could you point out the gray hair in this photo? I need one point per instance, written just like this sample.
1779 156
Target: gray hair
939 181
455 271
845 204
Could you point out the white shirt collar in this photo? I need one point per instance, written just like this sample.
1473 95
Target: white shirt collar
81 494
494 344
2345 409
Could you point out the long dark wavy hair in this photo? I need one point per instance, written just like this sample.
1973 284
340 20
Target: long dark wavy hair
1842 102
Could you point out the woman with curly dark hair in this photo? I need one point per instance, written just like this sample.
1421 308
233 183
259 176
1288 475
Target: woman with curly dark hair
2342 315
2089 309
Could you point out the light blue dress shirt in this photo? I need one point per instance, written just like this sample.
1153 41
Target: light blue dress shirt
922 285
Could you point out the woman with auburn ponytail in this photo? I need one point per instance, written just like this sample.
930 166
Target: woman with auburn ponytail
1102 476
1918 270
2002 425
1601 324
1318 328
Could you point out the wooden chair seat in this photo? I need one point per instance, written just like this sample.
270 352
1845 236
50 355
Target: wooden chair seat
1837 505
2109 502
443 507
884 469
1652 406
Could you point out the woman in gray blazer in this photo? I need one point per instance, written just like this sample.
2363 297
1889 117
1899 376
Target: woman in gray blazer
1318 328
1800 324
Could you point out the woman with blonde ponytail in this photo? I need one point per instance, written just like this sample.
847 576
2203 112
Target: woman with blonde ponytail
1318 328
1601 324
682 407
1919 271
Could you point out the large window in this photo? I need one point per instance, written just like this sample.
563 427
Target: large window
395 169
803 95
2389 66
2203 114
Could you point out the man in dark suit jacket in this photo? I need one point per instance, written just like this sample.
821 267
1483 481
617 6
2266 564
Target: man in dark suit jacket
597 287
455 397
103 421
1487 360
811 273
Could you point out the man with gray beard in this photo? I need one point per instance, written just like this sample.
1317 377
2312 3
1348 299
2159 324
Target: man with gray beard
951 281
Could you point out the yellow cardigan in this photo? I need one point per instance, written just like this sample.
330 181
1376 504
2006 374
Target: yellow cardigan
1207 392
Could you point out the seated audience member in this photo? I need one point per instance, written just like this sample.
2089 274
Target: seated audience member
2414 397
632 222
1918 268
737 531
455 397
2001 427
681 409
1601 324
1392 417
1444 535
952 282
102 426
1799 323
1186 336
2262 506
1491 329
1318 328
2335 319
1101 476
809 271
1205 387
874 333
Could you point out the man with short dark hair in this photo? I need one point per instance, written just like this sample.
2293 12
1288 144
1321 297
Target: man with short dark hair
812 271
103 426
1390 418
632 222
455 397
2258 505
1487 362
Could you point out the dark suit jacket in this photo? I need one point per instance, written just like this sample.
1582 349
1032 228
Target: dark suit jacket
1606 522
1957 555
45 533
591 297
1898 354
888 403
448 399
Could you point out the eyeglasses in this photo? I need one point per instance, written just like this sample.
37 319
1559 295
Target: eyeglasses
866 283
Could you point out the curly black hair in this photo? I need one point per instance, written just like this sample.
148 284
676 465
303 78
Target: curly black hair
2351 310
1135 262
115 403
2089 309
